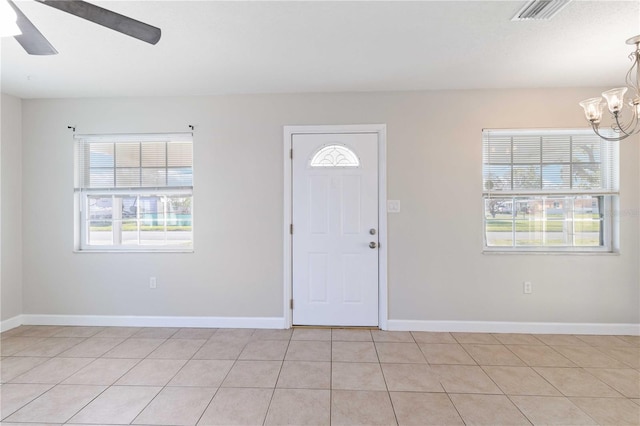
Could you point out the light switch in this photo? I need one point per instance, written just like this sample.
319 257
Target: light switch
393 206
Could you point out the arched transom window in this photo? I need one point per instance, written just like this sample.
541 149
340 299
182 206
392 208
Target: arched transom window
334 156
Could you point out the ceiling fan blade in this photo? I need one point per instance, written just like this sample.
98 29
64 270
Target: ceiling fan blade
107 18
31 39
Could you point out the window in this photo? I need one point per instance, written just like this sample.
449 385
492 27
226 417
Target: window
548 190
134 192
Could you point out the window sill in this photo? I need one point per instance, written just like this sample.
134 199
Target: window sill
134 251
551 253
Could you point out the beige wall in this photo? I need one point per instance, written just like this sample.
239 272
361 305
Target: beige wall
11 208
436 268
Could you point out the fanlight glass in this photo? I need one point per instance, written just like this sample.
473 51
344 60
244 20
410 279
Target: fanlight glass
335 156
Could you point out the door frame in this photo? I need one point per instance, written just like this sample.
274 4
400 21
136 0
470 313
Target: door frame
381 131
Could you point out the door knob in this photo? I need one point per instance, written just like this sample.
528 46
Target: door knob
372 245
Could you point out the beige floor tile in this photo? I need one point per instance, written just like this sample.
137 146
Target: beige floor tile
134 348
305 375
43 330
253 374
446 353
488 410
477 338
351 335
632 340
397 353
152 372
177 349
424 409
517 339
551 410
492 355
265 350
626 381
13 345
299 407
15 396
520 381
411 378
432 337
17 331
12 367
610 411
232 406
117 405
78 331
93 347
392 336
176 406
50 346
221 349
53 371
155 333
540 356
57 405
266 334
202 372
630 356
303 350
361 408
194 333
576 382
103 371
561 340
464 379
587 356
233 334
123 332
357 376
609 341
311 334
353 352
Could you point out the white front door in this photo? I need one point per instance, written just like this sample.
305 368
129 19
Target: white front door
335 229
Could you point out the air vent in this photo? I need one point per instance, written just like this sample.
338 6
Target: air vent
540 10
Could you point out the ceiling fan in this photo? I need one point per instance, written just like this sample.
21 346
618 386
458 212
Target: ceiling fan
35 43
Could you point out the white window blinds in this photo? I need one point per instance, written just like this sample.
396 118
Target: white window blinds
530 162
149 161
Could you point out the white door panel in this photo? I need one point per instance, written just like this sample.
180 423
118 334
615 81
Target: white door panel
335 272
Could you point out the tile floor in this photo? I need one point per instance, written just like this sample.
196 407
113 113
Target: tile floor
170 376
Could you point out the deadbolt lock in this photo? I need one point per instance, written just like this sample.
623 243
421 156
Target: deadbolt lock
372 231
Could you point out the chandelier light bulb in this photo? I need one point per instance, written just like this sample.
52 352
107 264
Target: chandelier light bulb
615 98
593 109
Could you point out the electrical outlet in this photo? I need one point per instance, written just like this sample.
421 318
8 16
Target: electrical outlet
527 287
152 282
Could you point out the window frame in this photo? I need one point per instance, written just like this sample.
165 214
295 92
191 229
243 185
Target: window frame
607 195
83 192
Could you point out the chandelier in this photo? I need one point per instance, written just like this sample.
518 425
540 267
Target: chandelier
625 116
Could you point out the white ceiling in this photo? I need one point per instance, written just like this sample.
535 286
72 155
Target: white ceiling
214 47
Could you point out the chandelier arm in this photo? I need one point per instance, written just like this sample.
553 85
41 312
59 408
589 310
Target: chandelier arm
631 127
635 57
594 126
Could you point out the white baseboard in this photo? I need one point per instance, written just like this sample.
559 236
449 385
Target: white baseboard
153 321
279 323
515 327
10 323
